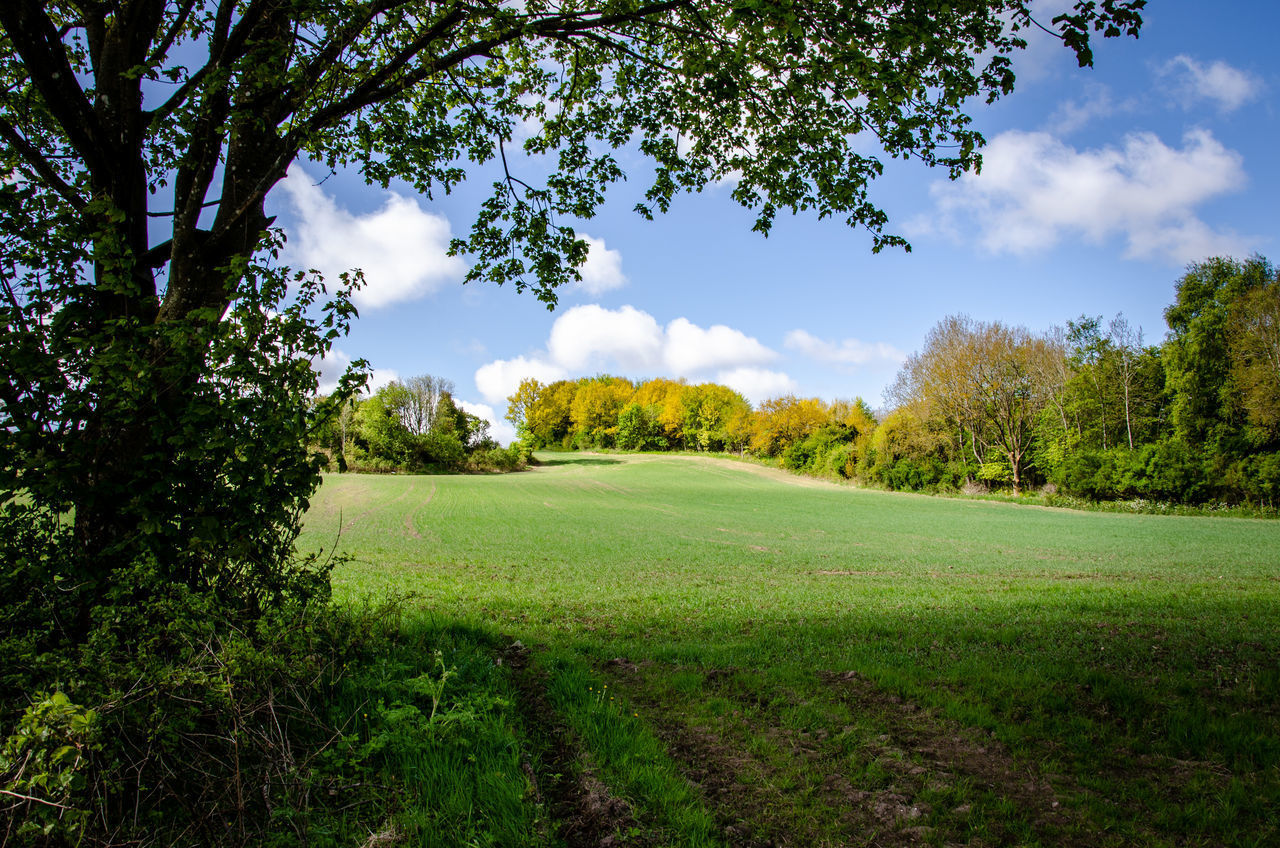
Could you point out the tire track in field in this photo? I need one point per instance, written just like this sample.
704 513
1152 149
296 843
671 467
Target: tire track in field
919 757
377 507
410 518
584 812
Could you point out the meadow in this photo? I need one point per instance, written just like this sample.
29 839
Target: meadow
647 650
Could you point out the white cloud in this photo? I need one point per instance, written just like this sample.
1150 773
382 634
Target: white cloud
1097 103
331 367
603 269
381 377
1192 81
846 352
1035 191
401 248
690 349
500 430
499 379
334 365
590 336
757 384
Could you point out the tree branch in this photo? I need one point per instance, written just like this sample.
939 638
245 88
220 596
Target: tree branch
381 86
225 46
36 40
166 43
42 166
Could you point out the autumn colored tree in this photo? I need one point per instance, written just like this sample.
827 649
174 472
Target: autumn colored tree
708 408
596 406
667 399
547 412
987 381
780 422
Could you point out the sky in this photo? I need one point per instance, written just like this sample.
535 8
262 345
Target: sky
1099 186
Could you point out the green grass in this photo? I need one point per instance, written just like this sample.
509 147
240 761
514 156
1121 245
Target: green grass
802 662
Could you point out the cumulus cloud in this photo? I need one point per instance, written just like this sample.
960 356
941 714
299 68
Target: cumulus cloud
690 349
1034 191
499 429
590 338
498 380
603 269
401 248
1192 82
1098 103
757 384
847 352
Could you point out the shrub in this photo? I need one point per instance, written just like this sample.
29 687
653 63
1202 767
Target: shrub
178 722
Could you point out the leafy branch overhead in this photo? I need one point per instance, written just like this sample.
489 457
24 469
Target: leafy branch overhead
207 103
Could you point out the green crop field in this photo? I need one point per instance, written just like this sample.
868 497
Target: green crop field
684 651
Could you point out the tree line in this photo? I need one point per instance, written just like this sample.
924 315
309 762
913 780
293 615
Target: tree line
412 425
1088 409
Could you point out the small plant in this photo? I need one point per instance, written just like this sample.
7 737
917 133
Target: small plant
43 763
434 688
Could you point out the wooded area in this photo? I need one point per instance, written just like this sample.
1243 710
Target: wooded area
1088 408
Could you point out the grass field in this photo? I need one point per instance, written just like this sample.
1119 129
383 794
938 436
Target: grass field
790 662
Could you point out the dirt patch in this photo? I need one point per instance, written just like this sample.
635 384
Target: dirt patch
926 780
584 813
757 803
920 744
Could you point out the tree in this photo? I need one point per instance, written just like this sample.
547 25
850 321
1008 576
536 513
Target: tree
637 429
1207 408
420 399
1126 341
1253 339
987 380
707 410
667 398
1091 359
781 422
548 416
143 304
938 382
596 406
520 401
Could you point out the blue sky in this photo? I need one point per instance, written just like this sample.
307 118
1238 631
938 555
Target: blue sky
1099 186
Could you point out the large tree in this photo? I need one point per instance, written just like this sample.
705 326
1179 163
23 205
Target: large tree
989 382
142 137
1208 333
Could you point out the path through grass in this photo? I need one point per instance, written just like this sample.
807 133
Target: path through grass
794 663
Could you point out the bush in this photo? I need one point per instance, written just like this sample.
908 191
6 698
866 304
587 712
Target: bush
1166 471
178 722
513 458
443 450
